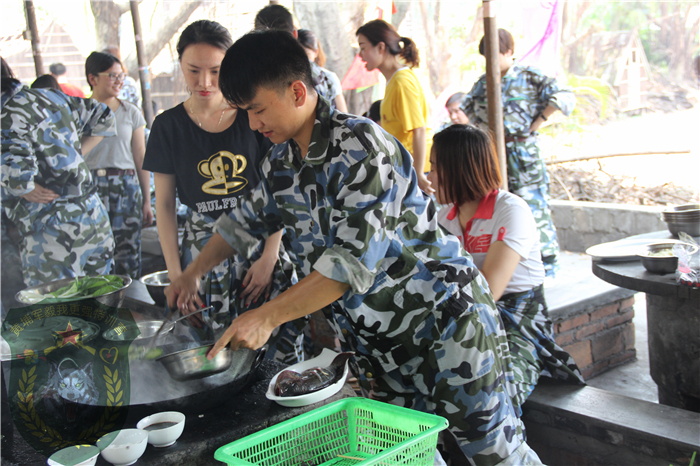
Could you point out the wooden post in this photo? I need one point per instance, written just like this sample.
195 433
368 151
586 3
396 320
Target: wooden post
35 39
144 75
493 86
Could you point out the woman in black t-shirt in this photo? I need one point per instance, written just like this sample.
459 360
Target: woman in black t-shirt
204 150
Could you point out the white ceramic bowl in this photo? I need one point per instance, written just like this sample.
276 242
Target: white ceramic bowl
166 436
77 455
322 360
123 447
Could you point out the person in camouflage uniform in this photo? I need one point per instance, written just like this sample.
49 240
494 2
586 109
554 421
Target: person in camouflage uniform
529 98
424 326
47 190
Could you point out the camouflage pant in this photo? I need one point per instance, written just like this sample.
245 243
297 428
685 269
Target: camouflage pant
121 195
224 282
77 241
529 179
531 342
462 374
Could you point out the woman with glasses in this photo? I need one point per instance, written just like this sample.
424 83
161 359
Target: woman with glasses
116 162
204 151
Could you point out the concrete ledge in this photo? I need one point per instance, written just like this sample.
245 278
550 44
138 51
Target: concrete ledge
581 225
577 290
586 426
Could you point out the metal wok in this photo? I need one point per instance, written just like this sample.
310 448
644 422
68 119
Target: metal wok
153 390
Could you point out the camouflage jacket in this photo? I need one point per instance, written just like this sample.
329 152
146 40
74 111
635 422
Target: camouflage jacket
324 84
525 93
353 211
41 131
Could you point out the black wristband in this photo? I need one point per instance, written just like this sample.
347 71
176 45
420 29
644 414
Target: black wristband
541 115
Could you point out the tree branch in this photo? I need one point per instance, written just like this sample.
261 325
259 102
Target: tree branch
157 41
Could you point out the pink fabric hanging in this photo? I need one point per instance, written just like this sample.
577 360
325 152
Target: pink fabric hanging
542 35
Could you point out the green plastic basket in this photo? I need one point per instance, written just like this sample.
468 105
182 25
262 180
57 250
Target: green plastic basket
365 432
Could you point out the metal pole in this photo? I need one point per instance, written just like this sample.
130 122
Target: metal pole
493 86
143 65
36 40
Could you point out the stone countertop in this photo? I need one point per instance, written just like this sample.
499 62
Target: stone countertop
247 412
632 274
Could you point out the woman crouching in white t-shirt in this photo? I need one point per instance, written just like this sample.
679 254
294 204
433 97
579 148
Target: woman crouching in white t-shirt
499 231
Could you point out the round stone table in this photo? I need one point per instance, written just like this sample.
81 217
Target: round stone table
673 321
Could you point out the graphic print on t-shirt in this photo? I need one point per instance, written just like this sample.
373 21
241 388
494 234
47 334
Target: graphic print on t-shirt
223 169
475 244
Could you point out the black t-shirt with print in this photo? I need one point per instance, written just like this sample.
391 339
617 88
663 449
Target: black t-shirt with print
212 170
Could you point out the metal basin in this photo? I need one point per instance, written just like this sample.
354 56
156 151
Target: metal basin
155 284
193 364
693 229
112 299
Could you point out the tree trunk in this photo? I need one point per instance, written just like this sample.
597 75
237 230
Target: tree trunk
156 41
401 11
437 52
326 20
107 14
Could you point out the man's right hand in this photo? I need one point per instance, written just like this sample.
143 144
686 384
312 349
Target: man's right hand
40 195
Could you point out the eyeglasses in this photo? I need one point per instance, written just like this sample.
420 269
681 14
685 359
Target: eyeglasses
114 77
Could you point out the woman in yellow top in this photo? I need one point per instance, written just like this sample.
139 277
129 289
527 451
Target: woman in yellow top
404 109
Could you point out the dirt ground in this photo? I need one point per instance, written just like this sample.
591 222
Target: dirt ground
653 179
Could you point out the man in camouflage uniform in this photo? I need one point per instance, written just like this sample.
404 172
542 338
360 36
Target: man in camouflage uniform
419 314
46 186
528 98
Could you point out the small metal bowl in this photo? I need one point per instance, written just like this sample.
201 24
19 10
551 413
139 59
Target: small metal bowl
193 364
155 284
112 299
143 330
661 264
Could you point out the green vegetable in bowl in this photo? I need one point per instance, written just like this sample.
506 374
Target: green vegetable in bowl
83 287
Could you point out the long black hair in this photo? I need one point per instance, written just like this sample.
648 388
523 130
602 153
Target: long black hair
204 32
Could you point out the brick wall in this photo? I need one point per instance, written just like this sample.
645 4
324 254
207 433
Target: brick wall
598 338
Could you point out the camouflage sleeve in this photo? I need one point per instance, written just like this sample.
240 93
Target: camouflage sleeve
95 118
19 163
560 97
257 214
366 211
477 92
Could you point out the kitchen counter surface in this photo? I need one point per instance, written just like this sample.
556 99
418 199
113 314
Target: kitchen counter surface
246 412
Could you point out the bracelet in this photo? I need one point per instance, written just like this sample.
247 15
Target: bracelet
541 115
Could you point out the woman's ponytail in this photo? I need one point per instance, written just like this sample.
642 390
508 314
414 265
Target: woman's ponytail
409 52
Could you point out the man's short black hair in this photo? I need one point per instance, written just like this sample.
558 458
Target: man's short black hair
59 69
270 59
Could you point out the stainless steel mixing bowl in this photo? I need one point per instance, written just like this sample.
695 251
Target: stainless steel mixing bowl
113 298
192 363
155 284
660 264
